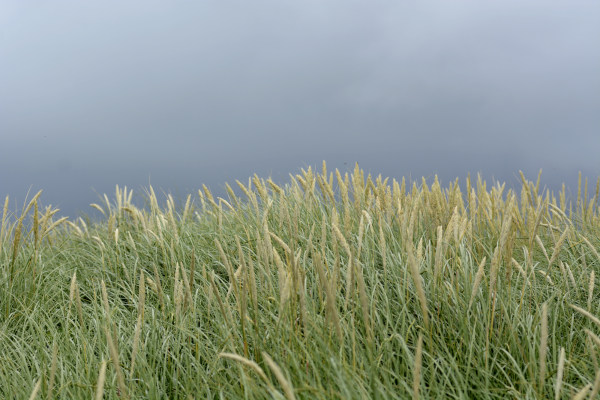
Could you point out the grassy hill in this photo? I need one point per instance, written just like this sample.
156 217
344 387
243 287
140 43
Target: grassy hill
332 287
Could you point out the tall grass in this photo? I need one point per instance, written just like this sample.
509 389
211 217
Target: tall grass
334 286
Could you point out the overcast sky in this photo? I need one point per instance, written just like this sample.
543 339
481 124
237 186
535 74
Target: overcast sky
181 93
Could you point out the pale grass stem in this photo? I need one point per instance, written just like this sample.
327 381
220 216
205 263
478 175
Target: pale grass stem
186 288
178 293
36 389
248 363
592 248
53 367
541 244
224 311
416 276
438 253
558 247
105 299
478 277
112 342
140 321
3 222
543 348
114 355
361 231
74 297
382 244
281 243
590 344
350 266
592 336
591 290
101 379
559 373
596 387
228 267
281 271
417 367
586 313
504 232
332 313
569 273
520 269
159 290
285 384
583 393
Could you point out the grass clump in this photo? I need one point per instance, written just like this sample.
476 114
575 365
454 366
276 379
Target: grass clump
332 287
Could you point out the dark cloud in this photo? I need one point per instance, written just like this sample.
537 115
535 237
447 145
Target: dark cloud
182 93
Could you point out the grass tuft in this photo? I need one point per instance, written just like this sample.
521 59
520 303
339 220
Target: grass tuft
357 287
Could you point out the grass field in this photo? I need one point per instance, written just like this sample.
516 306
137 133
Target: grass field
331 287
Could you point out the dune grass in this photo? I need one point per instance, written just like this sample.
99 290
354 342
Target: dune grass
331 287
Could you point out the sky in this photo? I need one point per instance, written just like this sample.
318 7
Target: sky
176 94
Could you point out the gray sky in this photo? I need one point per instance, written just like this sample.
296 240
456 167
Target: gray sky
180 93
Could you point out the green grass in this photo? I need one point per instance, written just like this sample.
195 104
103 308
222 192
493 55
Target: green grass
332 287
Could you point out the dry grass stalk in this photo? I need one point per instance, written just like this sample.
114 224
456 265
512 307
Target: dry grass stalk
159 290
416 276
223 201
569 273
596 387
281 243
361 232
112 342
186 208
101 379
350 267
382 244
178 293
330 307
417 367
519 268
53 367
583 393
592 248
224 311
285 384
36 389
114 354
592 336
541 244
188 301
35 228
558 247
504 233
591 290
478 277
3 222
543 348
590 343
228 267
364 302
282 273
438 253
546 276
559 373
248 363
74 297
192 270
586 313
252 283
139 323
105 299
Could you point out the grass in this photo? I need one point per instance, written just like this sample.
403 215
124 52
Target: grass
332 287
